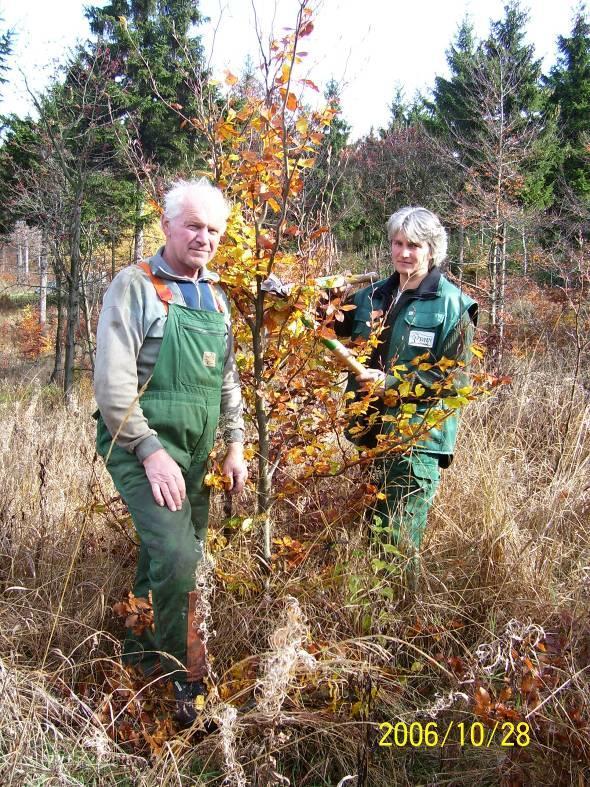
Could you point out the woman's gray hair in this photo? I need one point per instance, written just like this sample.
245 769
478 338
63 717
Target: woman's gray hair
419 224
201 189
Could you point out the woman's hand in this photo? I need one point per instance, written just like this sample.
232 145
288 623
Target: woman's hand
372 380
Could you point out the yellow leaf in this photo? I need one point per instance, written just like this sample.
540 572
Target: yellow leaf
404 389
446 363
302 125
230 79
455 401
285 74
419 390
292 103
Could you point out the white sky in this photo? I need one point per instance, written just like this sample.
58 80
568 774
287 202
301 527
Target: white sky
369 46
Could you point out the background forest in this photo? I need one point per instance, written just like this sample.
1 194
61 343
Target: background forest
314 642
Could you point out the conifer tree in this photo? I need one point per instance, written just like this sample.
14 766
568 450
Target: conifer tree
569 82
489 113
5 51
157 80
154 53
451 107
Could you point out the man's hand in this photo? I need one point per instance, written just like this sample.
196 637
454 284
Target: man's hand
235 468
373 380
166 479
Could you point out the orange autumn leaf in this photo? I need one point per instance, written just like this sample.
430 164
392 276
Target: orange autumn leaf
309 83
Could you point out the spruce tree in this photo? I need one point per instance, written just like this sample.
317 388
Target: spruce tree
569 82
452 114
5 51
156 61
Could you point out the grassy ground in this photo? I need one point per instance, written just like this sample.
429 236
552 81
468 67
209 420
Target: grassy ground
497 634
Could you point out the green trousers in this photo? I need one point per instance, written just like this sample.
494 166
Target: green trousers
409 484
182 405
171 547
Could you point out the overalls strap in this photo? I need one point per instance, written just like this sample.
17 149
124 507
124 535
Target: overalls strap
165 293
163 290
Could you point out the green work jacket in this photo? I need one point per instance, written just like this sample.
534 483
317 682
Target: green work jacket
437 319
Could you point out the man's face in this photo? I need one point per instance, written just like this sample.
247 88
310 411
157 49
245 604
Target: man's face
193 236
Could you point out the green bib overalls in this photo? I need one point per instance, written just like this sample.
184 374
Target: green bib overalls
182 403
434 310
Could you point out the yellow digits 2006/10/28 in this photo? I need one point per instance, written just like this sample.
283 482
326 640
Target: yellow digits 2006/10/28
417 734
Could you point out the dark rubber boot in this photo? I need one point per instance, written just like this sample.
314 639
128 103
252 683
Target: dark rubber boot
188 705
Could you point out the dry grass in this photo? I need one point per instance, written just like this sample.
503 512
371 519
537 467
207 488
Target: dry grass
321 650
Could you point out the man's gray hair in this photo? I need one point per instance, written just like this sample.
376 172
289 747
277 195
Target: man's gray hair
201 189
419 224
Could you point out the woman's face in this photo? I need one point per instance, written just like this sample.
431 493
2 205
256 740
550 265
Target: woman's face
410 259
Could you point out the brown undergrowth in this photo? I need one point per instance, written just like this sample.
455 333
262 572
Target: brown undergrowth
309 661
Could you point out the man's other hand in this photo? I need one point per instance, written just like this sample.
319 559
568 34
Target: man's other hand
235 468
166 479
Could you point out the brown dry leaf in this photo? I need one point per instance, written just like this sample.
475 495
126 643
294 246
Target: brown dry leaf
482 701
138 613
457 665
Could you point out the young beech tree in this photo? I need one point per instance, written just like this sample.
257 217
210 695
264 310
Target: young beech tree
263 146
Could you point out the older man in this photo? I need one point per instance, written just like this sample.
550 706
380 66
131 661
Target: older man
165 369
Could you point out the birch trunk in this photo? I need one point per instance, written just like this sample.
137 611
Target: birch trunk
43 282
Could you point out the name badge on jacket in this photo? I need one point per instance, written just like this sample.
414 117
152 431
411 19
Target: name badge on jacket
421 339
209 359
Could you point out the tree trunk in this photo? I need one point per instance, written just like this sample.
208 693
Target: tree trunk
138 237
502 295
461 259
73 306
26 260
86 313
57 364
113 255
43 281
493 270
263 490
138 243
19 262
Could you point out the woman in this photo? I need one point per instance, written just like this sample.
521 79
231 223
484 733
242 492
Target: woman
424 315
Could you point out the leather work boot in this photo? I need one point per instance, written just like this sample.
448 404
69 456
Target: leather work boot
190 701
